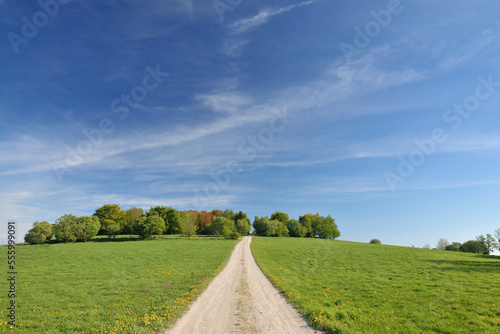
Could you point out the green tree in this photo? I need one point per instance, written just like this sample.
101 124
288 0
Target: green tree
260 225
131 215
86 228
66 229
145 227
240 215
113 230
295 228
454 247
281 229
327 228
375 241
280 216
488 243
305 221
472 246
243 226
497 235
110 214
222 225
190 223
269 228
40 232
229 214
174 221
170 216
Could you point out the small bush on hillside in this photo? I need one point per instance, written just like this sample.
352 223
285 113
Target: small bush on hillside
454 247
87 227
375 241
70 228
41 232
472 246
113 230
145 227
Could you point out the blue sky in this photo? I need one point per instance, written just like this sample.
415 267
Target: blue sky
383 114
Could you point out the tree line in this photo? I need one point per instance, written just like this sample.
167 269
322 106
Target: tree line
112 220
308 226
481 245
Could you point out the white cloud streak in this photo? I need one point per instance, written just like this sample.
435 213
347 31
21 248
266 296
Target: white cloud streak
246 24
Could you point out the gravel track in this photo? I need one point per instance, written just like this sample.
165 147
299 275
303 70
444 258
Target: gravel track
241 300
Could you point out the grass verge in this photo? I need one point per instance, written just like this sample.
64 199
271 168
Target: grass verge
113 286
346 287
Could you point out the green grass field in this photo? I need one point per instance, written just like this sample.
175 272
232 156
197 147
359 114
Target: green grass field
109 286
346 287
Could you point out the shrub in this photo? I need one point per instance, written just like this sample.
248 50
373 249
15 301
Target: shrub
472 246
87 227
220 223
70 228
41 232
375 241
65 228
145 227
113 230
34 237
295 228
229 233
189 223
455 247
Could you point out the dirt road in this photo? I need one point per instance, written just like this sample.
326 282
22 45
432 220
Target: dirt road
241 300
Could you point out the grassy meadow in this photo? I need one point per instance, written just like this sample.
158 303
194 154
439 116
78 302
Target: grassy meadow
109 286
346 287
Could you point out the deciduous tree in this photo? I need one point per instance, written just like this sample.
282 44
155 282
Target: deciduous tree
131 215
454 246
40 232
488 243
472 246
190 223
280 216
145 227
442 243
110 214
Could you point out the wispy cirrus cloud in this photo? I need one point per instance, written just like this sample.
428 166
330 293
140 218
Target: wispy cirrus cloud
246 24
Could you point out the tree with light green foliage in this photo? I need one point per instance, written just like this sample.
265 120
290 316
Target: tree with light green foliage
110 214
280 216
148 226
70 228
488 243
131 215
40 232
65 229
295 228
454 247
243 226
87 227
189 222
